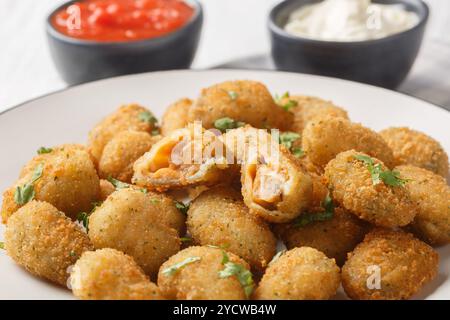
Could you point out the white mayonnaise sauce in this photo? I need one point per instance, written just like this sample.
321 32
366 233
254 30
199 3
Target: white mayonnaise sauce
349 20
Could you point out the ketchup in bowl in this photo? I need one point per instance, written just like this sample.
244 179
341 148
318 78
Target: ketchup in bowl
121 20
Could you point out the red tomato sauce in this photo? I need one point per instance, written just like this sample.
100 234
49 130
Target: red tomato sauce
122 20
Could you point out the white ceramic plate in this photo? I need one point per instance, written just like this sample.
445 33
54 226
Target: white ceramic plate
68 115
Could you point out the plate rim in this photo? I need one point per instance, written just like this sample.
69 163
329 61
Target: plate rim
69 87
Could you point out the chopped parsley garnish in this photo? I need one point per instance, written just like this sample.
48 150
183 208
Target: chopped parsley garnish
2 245
83 217
298 152
43 150
154 200
233 95
288 105
182 207
185 239
278 255
243 275
123 185
224 124
178 266
378 175
307 218
147 116
25 192
155 132
287 139
118 184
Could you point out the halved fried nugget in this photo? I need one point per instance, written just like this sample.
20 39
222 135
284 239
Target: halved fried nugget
185 158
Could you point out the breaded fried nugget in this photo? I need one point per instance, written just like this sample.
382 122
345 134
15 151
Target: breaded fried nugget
325 137
353 187
176 116
106 188
219 217
335 237
185 158
64 177
388 265
44 241
307 108
416 148
274 184
108 274
299 274
122 151
432 195
244 100
203 273
142 225
127 117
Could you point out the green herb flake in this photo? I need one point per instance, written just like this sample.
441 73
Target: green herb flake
182 207
243 275
43 150
155 132
288 105
224 124
298 152
277 256
118 184
307 218
83 217
185 239
233 95
288 138
378 175
279 98
25 193
154 201
147 116
2 245
178 266
72 253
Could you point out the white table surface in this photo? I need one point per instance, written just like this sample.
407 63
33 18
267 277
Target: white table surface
233 29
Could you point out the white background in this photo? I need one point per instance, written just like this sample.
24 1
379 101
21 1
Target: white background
232 29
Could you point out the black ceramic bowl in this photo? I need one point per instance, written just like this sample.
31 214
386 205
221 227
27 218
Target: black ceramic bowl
81 61
383 62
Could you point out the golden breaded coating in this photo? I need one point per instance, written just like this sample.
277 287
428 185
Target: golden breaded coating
142 225
176 116
195 274
106 188
108 274
122 151
185 158
299 274
127 117
64 177
44 241
308 108
325 137
335 237
353 188
416 148
388 265
219 217
432 195
246 101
